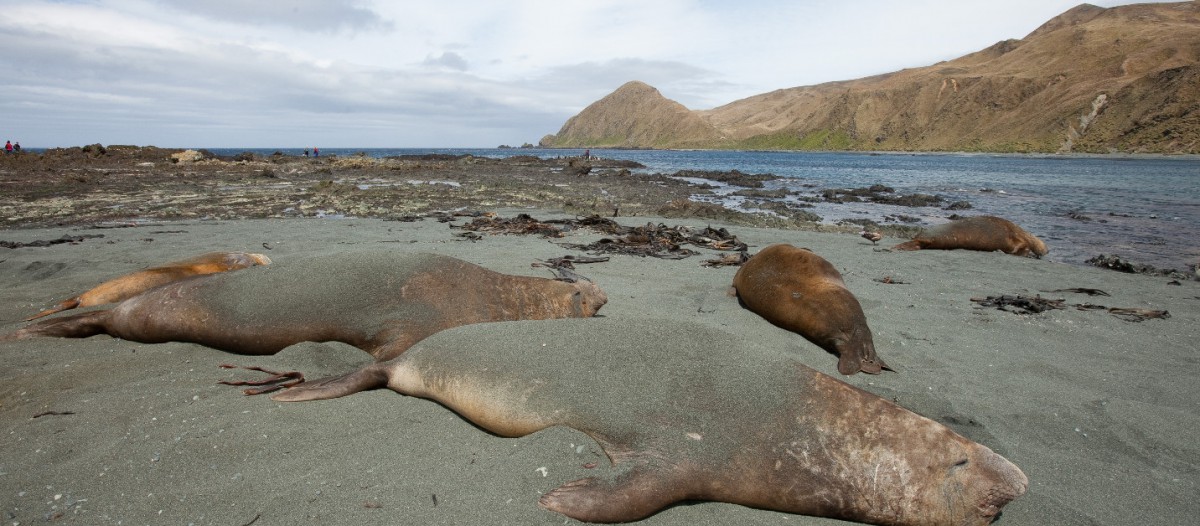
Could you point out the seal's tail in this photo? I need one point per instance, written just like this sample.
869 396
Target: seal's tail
908 245
370 377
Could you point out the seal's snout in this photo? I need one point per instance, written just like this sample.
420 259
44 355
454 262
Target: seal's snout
1005 483
594 297
261 259
1039 248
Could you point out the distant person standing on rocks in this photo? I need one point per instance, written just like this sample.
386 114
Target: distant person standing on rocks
17 147
587 154
306 152
7 147
316 152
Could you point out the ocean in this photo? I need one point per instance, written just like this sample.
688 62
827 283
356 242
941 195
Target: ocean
1143 209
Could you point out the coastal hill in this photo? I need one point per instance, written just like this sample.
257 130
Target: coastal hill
1121 79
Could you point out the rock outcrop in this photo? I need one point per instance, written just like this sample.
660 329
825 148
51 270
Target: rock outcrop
187 156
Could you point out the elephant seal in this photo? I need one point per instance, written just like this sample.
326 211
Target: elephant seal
715 417
134 283
986 233
381 302
799 291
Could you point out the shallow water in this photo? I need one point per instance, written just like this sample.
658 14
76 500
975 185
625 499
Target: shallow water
1143 209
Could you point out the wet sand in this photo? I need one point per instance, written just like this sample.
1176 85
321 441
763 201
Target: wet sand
1097 411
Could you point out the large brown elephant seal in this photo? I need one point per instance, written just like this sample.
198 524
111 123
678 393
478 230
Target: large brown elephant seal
379 301
715 417
134 283
986 233
800 291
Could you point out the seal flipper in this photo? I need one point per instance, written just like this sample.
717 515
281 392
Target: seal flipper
852 362
63 305
74 326
634 495
370 377
129 285
858 354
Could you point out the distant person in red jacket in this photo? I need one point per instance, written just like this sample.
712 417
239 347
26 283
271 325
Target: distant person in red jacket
7 147
316 152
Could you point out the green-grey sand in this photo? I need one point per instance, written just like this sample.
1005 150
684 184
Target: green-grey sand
1099 412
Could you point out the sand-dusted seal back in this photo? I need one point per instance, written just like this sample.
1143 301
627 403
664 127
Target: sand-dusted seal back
986 233
800 291
379 301
714 418
134 283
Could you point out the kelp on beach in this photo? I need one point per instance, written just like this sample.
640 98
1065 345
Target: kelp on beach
649 240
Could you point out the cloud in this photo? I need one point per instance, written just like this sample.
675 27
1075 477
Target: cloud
449 60
320 16
353 73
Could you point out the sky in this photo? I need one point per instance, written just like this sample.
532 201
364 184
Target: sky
471 73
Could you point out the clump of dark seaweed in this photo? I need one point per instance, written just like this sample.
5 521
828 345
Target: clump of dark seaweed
653 240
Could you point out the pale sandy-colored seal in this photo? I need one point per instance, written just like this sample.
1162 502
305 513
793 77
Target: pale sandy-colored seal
800 291
134 283
379 301
715 417
986 233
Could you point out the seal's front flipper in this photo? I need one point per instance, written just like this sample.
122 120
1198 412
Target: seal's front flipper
270 384
632 496
369 377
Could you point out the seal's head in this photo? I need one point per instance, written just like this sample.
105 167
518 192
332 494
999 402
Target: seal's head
589 297
1037 246
975 483
891 466
1006 483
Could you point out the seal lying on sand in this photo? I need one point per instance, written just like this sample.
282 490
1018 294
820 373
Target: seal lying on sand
380 302
986 233
132 284
714 418
798 290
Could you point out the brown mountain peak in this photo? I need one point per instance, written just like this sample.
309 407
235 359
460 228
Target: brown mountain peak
1091 79
1079 14
634 115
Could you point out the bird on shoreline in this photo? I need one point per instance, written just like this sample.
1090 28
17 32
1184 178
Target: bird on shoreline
873 237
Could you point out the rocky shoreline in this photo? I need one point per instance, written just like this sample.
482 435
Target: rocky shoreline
131 184
104 187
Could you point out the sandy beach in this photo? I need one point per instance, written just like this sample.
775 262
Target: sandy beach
1096 410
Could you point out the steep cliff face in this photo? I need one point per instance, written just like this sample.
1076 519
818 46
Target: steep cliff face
1091 79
